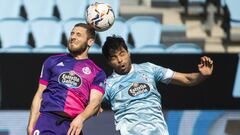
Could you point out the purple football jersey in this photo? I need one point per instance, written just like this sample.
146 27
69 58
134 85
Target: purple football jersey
69 82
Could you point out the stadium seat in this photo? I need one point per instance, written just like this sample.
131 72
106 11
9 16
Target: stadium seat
69 24
115 4
119 28
47 34
10 8
141 26
14 35
39 8
95 49
231 18
184 48
150 49
236 86
71 8
233 6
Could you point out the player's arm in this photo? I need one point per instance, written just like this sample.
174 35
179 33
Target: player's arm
34 113
91 109
190 79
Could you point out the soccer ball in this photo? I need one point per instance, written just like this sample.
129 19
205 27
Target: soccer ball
100 16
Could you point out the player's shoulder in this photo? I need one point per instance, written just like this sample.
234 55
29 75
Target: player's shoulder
92 64
95 68
142 65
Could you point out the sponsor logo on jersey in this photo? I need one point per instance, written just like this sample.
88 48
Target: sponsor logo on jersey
138 89
86 70
70 79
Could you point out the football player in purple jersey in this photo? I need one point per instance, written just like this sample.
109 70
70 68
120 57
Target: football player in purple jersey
70 89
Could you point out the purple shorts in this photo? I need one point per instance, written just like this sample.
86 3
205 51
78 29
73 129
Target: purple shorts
51 124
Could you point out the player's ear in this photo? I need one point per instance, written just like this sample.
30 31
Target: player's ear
90 42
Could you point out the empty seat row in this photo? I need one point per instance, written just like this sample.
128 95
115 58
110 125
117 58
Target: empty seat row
45 8
145 31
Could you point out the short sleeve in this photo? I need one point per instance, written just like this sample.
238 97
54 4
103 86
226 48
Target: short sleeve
45 72
99 82
106 94
161 74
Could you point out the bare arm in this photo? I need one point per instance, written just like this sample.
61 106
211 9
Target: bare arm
190 79
34 113
91 109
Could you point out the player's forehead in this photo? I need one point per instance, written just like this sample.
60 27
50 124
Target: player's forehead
117 51
79 29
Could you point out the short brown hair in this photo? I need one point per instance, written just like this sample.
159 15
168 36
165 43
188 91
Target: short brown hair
90 30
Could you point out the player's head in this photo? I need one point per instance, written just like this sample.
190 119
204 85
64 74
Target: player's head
116 52
82 37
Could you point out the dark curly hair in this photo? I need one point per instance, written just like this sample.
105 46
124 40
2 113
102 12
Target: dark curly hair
112 44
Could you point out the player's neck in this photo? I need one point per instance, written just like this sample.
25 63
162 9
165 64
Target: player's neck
80 56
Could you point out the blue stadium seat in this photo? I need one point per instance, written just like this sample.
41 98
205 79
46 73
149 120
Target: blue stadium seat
233 6
14 35
47 34
145 30
174 28
95 49
10 8
184 48
236 86
39 8
71 8
119 28
150 49
69 24
115 4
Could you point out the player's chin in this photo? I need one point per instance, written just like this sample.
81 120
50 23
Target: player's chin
123 71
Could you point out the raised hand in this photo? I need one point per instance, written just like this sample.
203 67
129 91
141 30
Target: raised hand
206 66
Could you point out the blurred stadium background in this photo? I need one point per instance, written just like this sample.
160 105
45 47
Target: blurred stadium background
171 33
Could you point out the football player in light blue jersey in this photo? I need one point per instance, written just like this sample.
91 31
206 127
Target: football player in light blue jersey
132 92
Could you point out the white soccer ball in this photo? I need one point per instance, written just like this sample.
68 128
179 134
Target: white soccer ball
100 16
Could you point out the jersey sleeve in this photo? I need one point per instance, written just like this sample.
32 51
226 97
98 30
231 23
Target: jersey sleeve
106 94
45 72
161 74
99 82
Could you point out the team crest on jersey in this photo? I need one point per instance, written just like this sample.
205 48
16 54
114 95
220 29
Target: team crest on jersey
138 89
70 79
86 70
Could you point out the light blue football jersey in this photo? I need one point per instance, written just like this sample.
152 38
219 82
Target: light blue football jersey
135 100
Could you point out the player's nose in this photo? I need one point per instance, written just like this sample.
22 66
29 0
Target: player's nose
119 59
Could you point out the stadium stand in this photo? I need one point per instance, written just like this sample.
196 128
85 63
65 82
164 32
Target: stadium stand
10 8
173 26
47 33
14 35
184 48
119 28
139 26
71 8
39 8
231 18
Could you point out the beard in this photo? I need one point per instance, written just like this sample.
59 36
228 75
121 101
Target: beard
77 50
